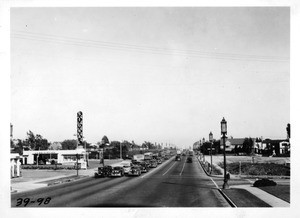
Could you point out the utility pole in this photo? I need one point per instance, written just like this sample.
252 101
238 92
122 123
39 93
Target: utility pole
120 150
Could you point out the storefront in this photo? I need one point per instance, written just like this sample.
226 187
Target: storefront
65 157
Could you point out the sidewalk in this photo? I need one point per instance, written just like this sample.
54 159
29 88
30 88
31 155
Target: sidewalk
34 179
27 183
264 196
271 200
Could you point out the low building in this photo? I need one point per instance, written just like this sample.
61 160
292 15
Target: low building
67 157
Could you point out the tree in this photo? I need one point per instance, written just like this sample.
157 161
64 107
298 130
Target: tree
247 145
36 142
19 147
104 141
69 144
148 145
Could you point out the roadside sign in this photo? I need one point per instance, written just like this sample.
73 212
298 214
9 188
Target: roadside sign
79 127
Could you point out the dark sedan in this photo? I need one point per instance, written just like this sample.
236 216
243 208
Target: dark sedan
103 171
135 171
117 171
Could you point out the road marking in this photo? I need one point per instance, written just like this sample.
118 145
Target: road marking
169 168
155 169
182 169
214 182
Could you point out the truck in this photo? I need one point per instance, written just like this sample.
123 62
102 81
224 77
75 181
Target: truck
148 156
138 157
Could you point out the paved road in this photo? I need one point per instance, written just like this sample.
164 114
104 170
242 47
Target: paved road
172 184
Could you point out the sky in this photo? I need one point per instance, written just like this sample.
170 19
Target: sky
164 75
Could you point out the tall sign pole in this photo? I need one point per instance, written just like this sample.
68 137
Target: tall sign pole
79 128
79 135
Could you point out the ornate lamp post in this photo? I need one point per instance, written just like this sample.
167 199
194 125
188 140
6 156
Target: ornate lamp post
203 141
211 142
224 132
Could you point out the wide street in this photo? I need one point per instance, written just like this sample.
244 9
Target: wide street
172 184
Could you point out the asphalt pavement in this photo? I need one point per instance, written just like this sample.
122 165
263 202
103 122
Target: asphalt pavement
172 184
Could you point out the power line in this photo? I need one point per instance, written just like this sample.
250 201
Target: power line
142 49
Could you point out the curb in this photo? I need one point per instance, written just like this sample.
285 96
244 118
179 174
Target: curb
230 202
227 198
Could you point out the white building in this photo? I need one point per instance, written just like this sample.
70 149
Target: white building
66 157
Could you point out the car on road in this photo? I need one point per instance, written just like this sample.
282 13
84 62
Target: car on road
103 171
177 158
126 166
159 160
189 160
153 163
135 171
144 167
117 171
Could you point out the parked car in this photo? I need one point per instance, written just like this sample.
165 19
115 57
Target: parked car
159 160
117 171
103 171
147 163
189 160
144 167
126 166
135 171
153 163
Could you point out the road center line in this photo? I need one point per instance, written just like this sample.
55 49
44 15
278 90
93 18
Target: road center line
169 168
157 168
182 169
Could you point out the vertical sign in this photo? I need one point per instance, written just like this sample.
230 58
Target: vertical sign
79 128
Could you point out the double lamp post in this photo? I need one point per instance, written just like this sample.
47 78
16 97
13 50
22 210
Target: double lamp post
224 132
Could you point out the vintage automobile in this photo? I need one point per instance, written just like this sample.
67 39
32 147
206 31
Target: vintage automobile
177 158
103 171
117 171
189 160
153 163
144 167
135 171
159 160
126 166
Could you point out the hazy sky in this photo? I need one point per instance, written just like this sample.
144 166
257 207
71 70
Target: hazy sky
165 75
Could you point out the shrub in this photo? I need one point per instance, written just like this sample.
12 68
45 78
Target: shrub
264 182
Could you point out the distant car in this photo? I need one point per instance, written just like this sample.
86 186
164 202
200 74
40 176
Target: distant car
144 167
103 171
117 171
153 163
147 163
189 160
177 158
159 161
135 171
126 166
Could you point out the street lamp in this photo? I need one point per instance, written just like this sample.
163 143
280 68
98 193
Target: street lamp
203 141
211 142
224 132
